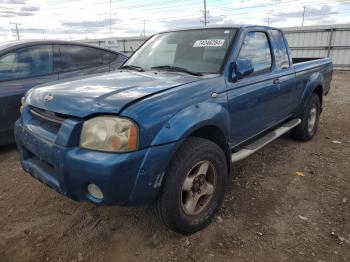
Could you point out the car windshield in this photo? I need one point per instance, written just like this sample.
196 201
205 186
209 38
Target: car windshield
191 51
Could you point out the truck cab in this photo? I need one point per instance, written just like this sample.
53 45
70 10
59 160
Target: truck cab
167 128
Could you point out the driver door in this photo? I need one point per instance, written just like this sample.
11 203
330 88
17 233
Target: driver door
252 99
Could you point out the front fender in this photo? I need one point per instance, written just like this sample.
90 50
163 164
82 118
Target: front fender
191 119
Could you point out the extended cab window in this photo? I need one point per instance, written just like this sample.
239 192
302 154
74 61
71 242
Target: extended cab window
257 49
201 51
74 57
27 62
281 51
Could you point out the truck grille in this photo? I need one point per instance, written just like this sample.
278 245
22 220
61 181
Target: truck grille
47 116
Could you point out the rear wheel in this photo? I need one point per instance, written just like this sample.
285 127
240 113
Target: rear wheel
193 188
310 119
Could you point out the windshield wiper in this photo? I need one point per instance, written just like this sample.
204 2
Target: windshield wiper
134 67
176 68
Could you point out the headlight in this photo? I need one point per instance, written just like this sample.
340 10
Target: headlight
109 133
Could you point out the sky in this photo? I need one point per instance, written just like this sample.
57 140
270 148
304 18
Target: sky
92 19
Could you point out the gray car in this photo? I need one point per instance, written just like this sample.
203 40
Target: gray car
24 64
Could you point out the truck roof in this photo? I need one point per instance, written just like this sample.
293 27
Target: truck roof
223 26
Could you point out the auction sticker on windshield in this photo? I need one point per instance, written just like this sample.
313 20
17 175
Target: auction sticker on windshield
209 42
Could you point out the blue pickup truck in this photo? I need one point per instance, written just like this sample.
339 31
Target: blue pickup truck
167 128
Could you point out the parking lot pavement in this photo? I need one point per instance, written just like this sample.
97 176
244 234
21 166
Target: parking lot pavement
269 213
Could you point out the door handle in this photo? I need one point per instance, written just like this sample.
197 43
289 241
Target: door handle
276 81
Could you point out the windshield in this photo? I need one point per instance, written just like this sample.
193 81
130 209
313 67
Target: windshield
201 51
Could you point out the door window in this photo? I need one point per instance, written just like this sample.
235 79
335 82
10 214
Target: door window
108 57
75 57
257 49
281 51
26 62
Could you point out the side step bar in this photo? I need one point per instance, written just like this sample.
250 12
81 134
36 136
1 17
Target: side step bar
263 141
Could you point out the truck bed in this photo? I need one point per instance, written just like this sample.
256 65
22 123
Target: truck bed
310 66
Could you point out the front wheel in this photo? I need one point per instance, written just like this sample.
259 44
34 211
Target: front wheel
310 119
193 188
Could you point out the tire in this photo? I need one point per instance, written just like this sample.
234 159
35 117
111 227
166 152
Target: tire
175 206
310 119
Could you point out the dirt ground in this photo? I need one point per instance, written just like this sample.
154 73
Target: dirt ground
269 213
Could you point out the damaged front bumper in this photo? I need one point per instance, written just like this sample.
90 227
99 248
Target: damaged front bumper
125 179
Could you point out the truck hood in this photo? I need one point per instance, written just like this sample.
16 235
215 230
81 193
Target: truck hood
104 93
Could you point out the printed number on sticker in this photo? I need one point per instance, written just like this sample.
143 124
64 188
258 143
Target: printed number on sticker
209 42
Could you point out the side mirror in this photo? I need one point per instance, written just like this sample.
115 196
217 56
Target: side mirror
244 67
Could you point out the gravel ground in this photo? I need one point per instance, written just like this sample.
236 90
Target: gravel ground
269 213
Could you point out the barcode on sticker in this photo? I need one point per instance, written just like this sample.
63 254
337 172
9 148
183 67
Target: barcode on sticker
209 42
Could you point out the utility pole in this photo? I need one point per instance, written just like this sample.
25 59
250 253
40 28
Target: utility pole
268 21
302 23
144 27
205 13
110 19
16 24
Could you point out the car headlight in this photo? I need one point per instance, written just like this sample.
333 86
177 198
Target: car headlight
109 133
24 101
